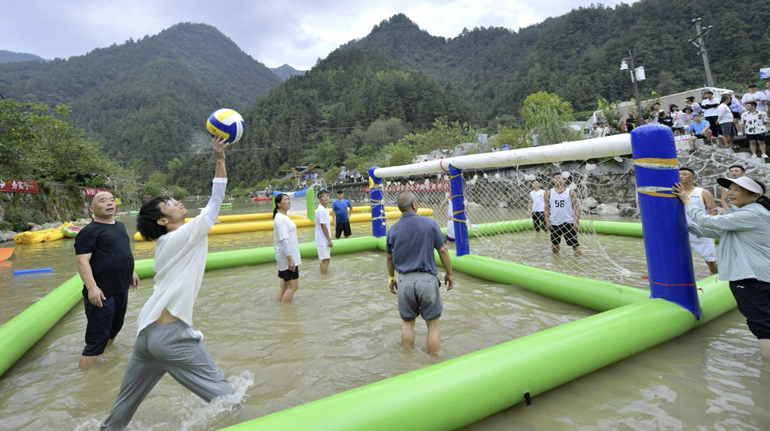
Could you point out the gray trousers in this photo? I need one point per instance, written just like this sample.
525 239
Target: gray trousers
173 348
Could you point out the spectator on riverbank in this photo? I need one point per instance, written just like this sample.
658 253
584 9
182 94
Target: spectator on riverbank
699 129
655 113
676 116
758 97
753 122
710 112
736 108
665 119
693 105
725 120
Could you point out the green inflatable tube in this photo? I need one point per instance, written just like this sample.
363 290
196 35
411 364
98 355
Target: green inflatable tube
20 333
592 294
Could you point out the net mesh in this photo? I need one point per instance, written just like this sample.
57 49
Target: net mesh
497 200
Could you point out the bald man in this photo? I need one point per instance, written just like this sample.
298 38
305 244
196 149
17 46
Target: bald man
106 266
412 272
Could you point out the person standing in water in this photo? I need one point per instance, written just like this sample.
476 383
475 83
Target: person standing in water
536 206
562 215
323 229
286 249
106 266
166 342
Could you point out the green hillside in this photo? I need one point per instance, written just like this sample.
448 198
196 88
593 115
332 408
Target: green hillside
578 55
146 101
285 72
12 57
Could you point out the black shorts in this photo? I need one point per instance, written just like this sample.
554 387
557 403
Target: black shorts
538 219
700 136
737 115
343 227
566 229
104 322
759 137
287 275
753 298
714 126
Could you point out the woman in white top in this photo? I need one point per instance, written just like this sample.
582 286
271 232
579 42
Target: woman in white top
286 249
166 342
725 120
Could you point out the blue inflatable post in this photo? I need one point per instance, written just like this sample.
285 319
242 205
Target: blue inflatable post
458 211
669 259
379 228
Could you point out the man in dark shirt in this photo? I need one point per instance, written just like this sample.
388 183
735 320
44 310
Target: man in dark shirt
410 245
106 266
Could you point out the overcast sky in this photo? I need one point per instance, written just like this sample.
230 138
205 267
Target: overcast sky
297 32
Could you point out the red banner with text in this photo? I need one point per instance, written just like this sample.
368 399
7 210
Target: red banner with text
91 191
18 186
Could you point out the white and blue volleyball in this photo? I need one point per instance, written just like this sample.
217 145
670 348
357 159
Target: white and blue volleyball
227 124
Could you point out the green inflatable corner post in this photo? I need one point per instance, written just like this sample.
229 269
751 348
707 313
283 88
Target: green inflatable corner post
310 203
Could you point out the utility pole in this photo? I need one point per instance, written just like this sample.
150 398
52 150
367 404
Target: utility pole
700 43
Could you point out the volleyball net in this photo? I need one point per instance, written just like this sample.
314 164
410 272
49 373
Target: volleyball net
478 198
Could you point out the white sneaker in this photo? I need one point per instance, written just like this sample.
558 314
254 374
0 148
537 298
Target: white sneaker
764 156
753 156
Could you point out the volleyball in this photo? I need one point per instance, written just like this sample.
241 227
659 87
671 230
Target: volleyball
225 123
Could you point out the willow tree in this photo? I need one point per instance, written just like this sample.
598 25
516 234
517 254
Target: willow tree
548 116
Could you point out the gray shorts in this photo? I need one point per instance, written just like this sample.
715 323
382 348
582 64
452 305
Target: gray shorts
418 294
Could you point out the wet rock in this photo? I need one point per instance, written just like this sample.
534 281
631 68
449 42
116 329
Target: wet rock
629 212
607 209
34 227
7 235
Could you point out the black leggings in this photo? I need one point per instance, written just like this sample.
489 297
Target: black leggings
753 298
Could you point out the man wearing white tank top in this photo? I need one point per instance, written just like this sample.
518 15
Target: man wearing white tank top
562 215
704 199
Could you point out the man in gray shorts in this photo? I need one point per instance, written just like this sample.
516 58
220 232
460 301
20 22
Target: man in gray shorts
410 245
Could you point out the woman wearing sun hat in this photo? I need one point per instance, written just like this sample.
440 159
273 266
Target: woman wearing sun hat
744 248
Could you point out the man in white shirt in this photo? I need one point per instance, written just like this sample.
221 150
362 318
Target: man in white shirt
166 342
755 96
562 215
323 228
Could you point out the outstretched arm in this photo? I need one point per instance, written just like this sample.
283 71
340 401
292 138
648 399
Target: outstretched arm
220 181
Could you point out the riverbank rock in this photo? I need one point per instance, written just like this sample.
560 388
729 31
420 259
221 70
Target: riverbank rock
607 209
81 222
629 212
51 225
7 235
587 205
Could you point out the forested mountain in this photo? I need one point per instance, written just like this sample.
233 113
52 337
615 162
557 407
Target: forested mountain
578 55
146 101
285 72
11 57
322 117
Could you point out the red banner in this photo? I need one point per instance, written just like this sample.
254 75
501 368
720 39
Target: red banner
91 191
18 186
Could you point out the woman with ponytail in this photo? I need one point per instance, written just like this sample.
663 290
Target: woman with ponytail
744 248
286 249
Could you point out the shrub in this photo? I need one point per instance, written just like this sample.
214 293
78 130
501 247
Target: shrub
19 218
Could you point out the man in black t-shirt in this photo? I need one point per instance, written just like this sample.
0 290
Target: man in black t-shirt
106 266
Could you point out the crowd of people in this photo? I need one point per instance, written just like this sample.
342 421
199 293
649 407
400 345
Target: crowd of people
716 121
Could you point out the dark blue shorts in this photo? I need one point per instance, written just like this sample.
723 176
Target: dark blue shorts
104 322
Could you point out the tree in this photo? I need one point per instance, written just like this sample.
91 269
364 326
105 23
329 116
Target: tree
547 115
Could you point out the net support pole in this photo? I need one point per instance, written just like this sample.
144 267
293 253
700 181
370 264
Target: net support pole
378 207
459 218
666 242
